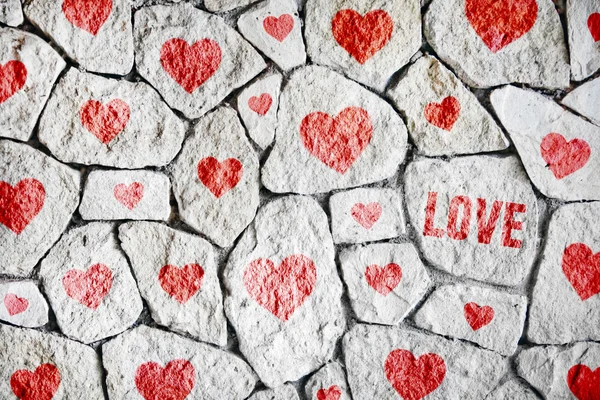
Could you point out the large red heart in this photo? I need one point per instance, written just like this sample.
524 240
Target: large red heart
281 290
582 268
444 114
477 316
261 104
15 304
89 287
594 26
129 196
220 177
413 378
583 382
173 382
366 215
105 121
360 36
21 203
88 15
338 141
383 280
500 22
41 384
564 158
13 76
333 393
181 283
279 28
190 66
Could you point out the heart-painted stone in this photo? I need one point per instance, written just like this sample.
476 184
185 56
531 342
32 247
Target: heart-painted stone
593 23
130 196
477 317
20 204
332 393
41 384
583 382
13 76
220 177
279 28
564 158
582 269
105 121
366 214
181 283
283 289
360 36
88 287
338 141
500 22
443 115
260 104
414 378
173 382
88 15
15 304
383 280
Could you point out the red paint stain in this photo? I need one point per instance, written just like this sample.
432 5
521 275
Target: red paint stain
385 279
181 283
582 269
564 158
41 384
13 76
279 28
220 177
88 15
105 121
414 378
477 317
173 382
260 104
90 287
21 203
443 115
130 196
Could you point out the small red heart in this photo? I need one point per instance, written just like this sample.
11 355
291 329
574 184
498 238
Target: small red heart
89 287
564 158
478 317
383 280
366 215
583 382
181 283
129 196
13 76
594 26
15 304
260 105
279 28
220 177
582 268
173 382
333 393
41 384
413 378
105 121
21 203
444 114
88 15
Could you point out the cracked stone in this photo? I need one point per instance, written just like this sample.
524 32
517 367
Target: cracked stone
584 100
22 304
512 390
328 383
284 392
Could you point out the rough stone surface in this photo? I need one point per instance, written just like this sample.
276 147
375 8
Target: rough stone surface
559 149
332 134
512 390
284 293
23 304
328 383
94 120
584 99
225 5
89 284
11 13
284 392
583 18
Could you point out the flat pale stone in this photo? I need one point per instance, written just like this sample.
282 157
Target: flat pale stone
38 195
30 67
512 390
368 41
11 13
93 120
365 215
284 392
385 281
488 317
559 149
328 383
193 58
22 304
44 366
224 5
584 100
443 200
97 36
177 276
215 178
126 194
583 19
283 291
380 365
490 43
161 365
332 134
89 284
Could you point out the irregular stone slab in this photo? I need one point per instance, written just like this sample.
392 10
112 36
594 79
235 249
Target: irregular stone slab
365 215
383 363
512 390
38 195
556 147
492 43
491 318
385 281
583 18
328 383
283 291
94 120
28 69
11 13
444 117
284 392
23 304
89 285
38 365
97 35
193 58
332 134
225 5
474 216
275 28
161 365
215 178
113 195
584 100
367 41
177 276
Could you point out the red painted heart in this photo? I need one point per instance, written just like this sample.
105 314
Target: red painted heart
360 36
220 177
564 158
281 290
366 215
41 384
130 196
88 15
593 23
20 204
105 121
173 382
444 114
279 28
13 76
338 141
413 378
181 283
90 287
583 382
260 104
332 393
582 269
478 317
383 280
15 304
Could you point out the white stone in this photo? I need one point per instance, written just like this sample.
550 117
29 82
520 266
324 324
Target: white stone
491 43
512 390
224 5
284 392
126 194
584 100
583 18
365 215
275 28
384 362
367 40
162 365
385 281
22 304
89 284
38 195
10 12
93 120
283 291
488 317
215 178
28 69
96 35
559 149
332 134
193 58
497 246
328 383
